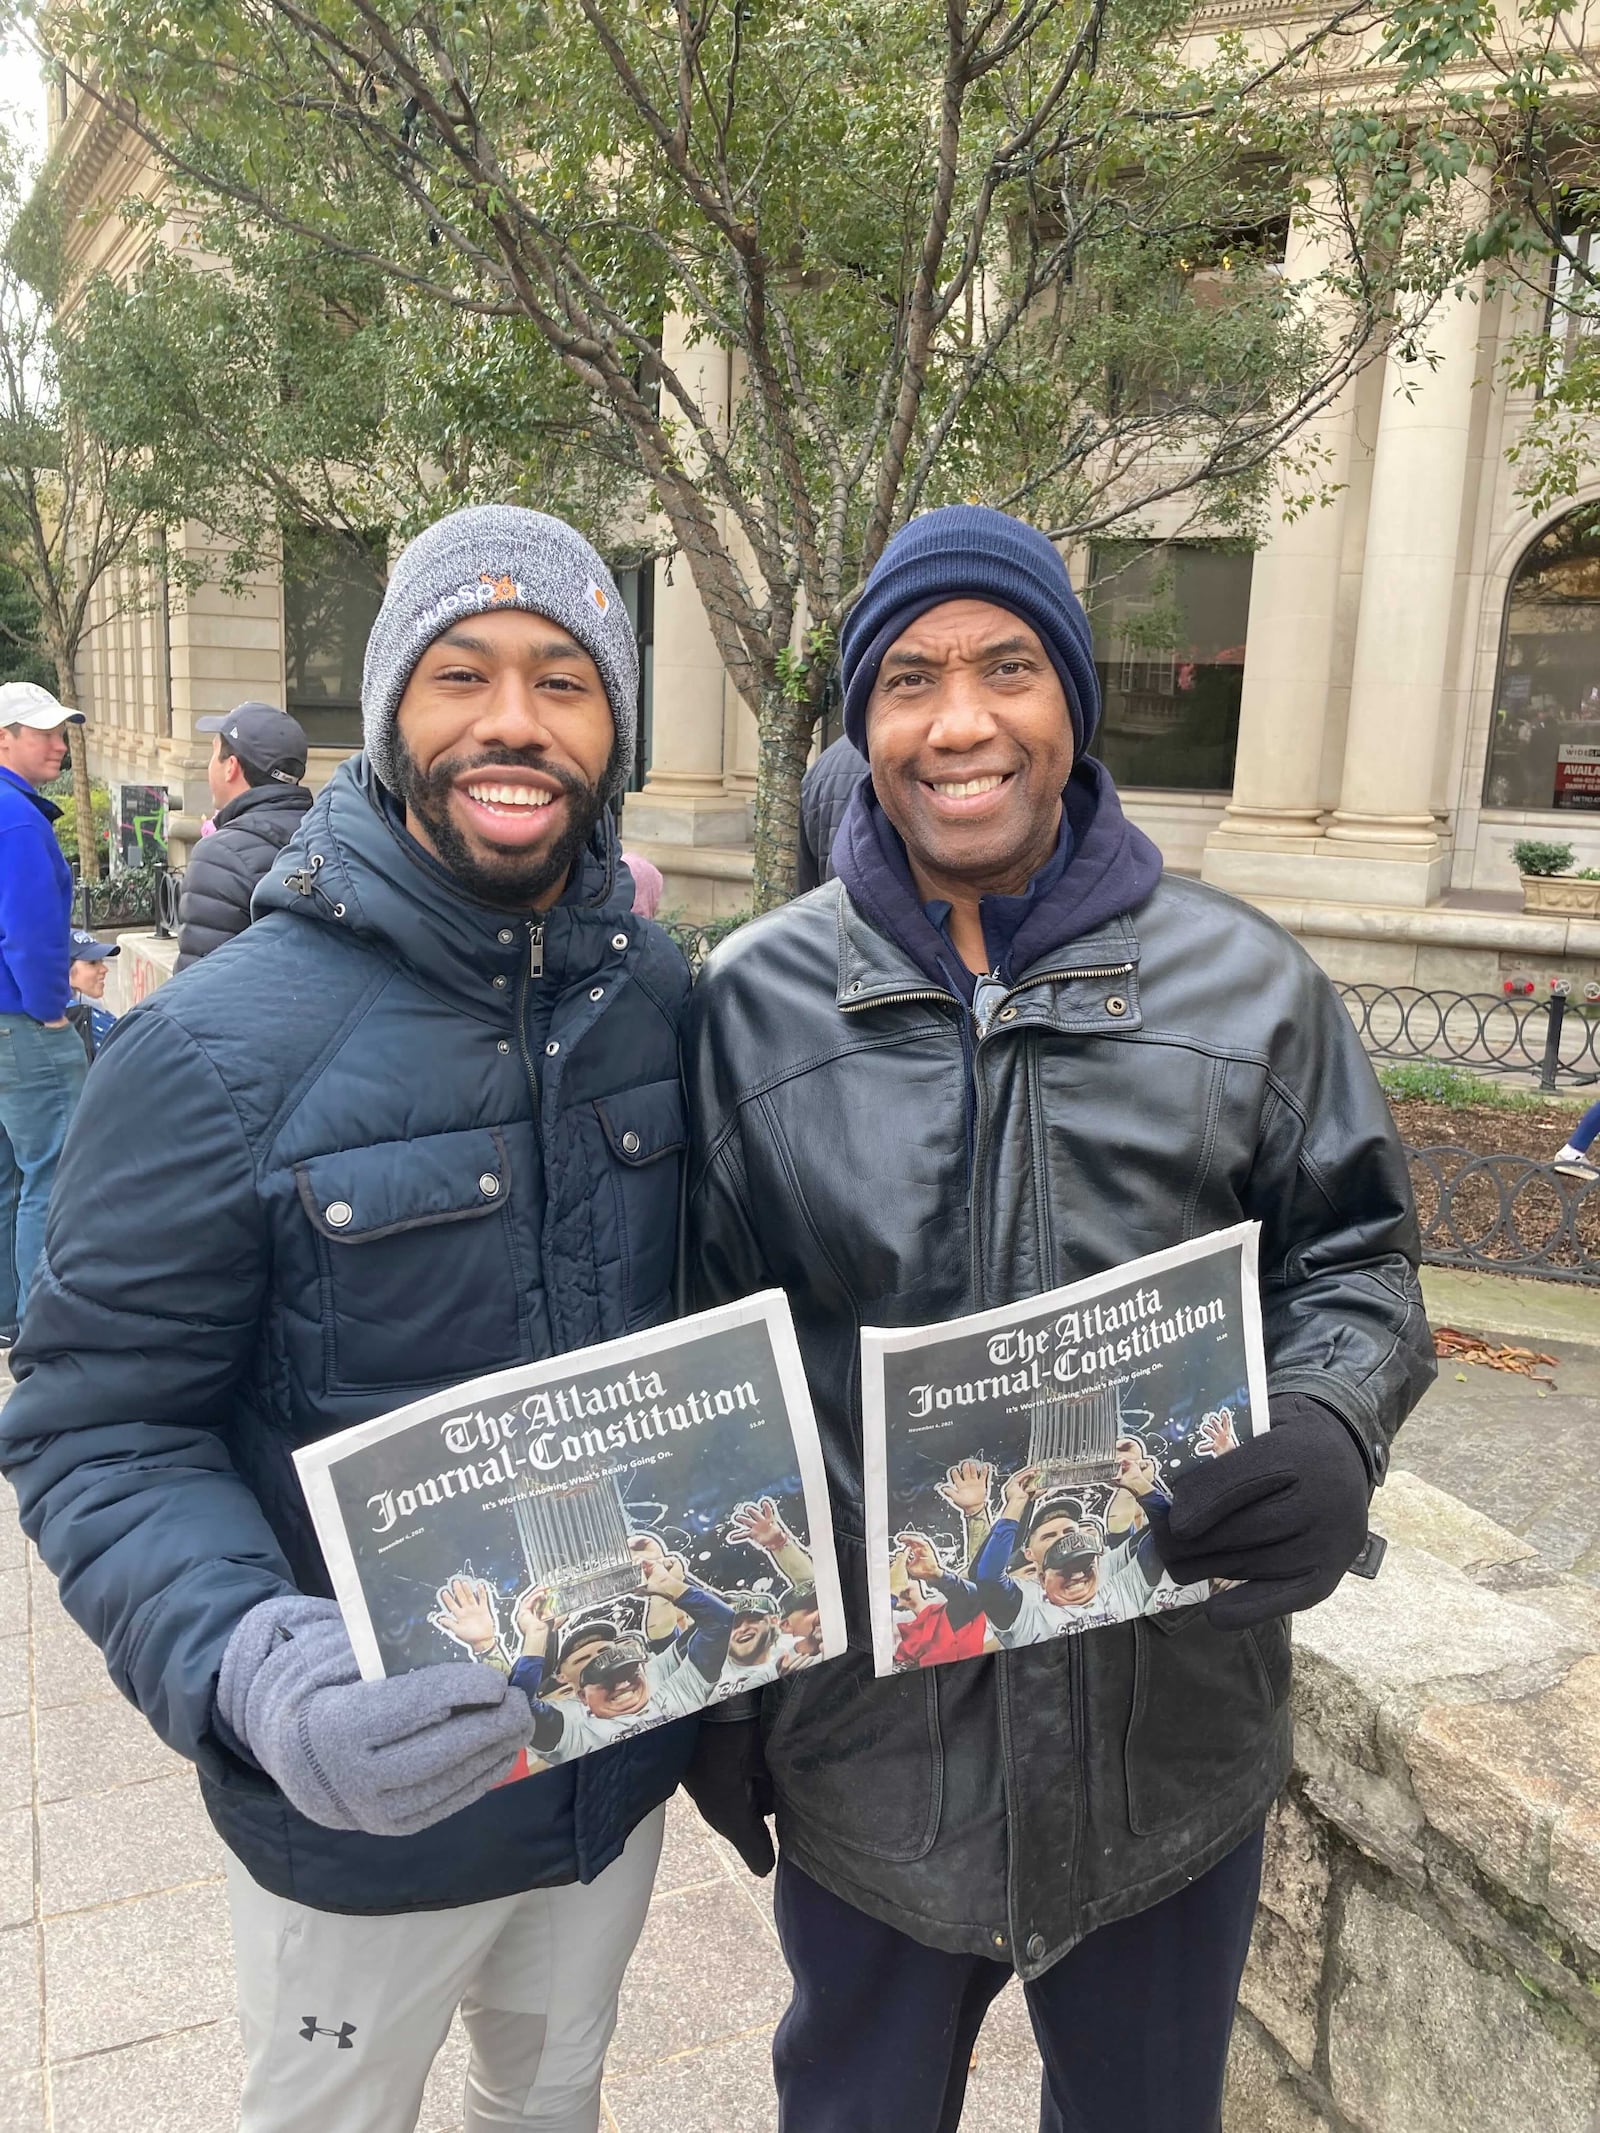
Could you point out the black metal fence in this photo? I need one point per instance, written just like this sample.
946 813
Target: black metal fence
125 899
1557 1038
1505 1214
697 937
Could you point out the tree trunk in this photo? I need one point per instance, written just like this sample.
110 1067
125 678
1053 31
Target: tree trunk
785 728
88 847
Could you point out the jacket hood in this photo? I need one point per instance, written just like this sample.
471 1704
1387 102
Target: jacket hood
269 798
1111 868
353 866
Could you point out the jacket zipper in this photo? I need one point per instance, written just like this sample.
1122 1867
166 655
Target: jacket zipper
533 969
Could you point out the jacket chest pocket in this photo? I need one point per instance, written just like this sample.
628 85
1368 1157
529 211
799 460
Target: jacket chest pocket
645 1135
416 1259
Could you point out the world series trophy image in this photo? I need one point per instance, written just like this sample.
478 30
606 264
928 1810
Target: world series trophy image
1072 1443
575 1540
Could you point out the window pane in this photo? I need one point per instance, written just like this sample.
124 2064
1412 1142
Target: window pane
331 595
1544 746
1169 630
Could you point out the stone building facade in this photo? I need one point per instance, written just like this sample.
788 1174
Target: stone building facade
1351 726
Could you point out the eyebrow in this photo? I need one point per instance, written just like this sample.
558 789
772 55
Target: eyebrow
551 648
915 658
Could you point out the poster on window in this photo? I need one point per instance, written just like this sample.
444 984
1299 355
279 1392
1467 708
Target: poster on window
140 832
1012 1458
1577 776
630 1532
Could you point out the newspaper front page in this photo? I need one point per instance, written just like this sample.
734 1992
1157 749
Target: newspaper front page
1012 1457
630 1532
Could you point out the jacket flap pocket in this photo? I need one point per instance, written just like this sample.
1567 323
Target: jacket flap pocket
358 1194
644 1123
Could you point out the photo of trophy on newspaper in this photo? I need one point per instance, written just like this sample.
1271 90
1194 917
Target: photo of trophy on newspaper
629 1533
1013 1458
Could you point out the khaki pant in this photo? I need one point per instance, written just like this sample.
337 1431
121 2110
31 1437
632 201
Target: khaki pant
342 2017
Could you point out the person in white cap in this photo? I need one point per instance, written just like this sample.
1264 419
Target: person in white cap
42 1062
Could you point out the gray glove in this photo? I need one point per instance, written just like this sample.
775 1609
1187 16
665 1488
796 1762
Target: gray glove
390 1757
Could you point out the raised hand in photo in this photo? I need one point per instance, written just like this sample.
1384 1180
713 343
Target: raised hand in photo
467 1613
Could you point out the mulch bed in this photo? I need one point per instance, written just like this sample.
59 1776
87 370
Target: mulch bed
1547 1214
1486 1129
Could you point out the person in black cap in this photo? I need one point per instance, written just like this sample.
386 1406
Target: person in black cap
258 759
86 974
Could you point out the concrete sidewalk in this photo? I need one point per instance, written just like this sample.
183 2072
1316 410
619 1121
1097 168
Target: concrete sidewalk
116 1969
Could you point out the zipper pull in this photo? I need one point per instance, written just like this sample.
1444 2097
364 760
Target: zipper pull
986 997
535 948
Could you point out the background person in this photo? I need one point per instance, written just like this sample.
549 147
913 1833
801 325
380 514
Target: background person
258 758
86 974
41 1059
1576 1159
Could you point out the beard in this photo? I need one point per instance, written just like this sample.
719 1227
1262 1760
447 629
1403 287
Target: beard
510 880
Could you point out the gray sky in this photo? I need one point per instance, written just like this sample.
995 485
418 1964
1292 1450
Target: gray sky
22 97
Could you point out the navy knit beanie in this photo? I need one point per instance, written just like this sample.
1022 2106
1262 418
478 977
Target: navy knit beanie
969 552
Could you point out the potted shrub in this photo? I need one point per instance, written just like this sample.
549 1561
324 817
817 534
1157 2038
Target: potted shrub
1549 885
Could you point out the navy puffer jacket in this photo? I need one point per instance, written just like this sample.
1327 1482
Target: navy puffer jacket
360 1153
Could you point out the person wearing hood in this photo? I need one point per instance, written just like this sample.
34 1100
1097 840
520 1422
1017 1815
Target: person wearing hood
1001 1052
258 759
423 1122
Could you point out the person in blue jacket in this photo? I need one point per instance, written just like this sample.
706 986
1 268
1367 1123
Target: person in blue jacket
421 1121
42 1061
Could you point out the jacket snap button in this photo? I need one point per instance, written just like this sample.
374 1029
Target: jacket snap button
999 1939
505 936
630 1143
598 993
1035 1947
488 1184
504 1045
338 1213
1116 1005
619 941
501 983
551 1049
1006 1014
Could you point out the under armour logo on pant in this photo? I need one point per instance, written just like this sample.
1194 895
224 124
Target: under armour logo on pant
309 2028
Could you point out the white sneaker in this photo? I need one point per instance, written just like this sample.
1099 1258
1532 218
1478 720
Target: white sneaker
1575 1163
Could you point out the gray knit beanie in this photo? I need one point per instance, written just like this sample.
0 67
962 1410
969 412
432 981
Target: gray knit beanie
497 555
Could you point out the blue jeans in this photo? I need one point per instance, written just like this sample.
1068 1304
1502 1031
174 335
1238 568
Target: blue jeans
41 1077
1586 1132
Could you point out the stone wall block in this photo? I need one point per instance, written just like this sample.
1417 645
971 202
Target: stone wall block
1376 1812
1422 2041
1574 1887
1261 2097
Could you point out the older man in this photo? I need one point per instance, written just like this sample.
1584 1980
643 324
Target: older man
1001 1052
42 1061
423 1121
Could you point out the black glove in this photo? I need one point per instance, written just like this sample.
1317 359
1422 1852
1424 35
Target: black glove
1286 1513
727 1780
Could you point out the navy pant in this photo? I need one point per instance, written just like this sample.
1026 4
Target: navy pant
1132 2026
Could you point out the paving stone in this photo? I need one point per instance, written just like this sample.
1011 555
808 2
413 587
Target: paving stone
94 1747
188 2083
686 1854
13 1602
130 1971
67 1668
13 1541
704 1970
1421 2042
19 1999
86 1856
16 1761
22 2103
444 2097
1003 2087
16 1869
13 1674
725 2088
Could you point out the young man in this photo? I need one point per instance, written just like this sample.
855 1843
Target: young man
999 1053
41 1057
420 1124
258 757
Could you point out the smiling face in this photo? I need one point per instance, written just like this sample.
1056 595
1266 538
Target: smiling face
971 743
1072 1588
752 1639
88 978
504 736
620 1696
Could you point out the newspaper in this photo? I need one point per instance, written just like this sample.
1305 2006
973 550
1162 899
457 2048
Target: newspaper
1012 1457
630 1532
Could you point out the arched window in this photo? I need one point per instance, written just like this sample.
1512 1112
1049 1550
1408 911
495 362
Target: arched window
1544 748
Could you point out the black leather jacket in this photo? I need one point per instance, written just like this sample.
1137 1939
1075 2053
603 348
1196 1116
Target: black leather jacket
1181 1069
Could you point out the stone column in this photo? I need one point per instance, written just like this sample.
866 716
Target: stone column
1274 817
685 800
1382 844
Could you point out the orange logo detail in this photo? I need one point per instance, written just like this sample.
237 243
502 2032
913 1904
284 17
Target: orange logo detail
503 589
598 597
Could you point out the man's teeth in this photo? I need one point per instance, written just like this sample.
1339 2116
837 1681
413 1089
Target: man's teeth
966 790
510 795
